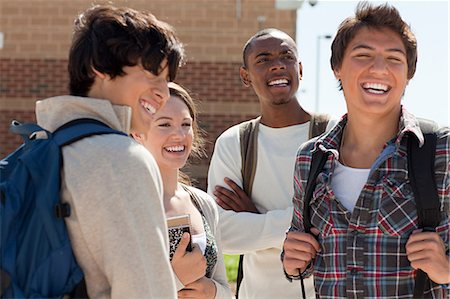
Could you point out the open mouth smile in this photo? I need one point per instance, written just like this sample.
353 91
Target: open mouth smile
376 88
175 148
147 106
278 83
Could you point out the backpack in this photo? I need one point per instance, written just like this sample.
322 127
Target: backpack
421 174
248 135
35 252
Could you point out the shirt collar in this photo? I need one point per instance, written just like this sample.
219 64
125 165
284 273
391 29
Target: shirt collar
407 124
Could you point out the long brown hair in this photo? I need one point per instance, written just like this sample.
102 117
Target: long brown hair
198 142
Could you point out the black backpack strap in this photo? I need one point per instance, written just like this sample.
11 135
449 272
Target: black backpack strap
318 160
318 124
421 173
81 128
248 137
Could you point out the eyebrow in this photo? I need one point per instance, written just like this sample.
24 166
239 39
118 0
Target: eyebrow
163 118
363 46
264 54
170 118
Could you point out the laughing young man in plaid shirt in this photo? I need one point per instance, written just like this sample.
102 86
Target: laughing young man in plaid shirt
363 209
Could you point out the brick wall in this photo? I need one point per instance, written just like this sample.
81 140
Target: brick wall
37 34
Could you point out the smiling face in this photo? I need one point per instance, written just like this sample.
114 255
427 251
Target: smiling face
272 68
374 72
139 89
170 135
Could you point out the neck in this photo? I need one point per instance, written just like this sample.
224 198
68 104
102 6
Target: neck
170 182
284 115
363 140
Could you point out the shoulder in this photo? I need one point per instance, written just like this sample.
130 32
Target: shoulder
206 202
231 134
113 152
443 134
442 157
307 147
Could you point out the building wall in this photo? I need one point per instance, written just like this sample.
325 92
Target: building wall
37 37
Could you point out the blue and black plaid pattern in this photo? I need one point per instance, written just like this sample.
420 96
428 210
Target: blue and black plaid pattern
363 253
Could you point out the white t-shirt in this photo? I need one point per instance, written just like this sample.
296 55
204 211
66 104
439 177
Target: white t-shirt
261 236
347 183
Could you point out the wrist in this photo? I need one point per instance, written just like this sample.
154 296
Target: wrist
290 277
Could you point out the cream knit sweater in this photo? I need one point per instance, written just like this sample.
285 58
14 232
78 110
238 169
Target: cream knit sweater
117 225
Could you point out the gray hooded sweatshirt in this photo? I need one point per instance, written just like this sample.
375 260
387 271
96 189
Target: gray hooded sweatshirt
117 225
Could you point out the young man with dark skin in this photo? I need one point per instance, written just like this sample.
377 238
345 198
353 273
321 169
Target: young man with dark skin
120 63
363 210
256 226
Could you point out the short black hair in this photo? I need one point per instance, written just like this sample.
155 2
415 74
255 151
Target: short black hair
107 39
247 46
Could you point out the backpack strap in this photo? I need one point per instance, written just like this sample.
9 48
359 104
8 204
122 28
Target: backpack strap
318 124
81 128
248 137
421 173
24 130
73 131
318 160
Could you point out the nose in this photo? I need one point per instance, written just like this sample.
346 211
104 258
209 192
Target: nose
178 133
277 64
379 65
161 92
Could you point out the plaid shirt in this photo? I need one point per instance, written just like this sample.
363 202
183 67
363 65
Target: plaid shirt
363 253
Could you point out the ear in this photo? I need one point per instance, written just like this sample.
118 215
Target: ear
99 74
300 70
137 136
337 74
245 78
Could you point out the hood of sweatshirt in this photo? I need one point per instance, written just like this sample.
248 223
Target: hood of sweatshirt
54 112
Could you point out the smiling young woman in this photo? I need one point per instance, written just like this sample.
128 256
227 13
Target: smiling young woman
172 137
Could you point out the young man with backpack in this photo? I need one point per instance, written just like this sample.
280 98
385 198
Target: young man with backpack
120 63
252 166
366 233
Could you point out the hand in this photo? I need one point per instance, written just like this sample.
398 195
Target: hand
236 200
299 249
202 288
188 266
426 251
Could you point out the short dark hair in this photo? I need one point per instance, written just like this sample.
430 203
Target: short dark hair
247 46
107 39
375 17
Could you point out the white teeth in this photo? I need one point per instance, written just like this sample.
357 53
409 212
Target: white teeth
278 82
376 87
149 107
176 148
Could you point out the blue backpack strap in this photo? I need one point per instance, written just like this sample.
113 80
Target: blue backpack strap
73 131
80 128
24 130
